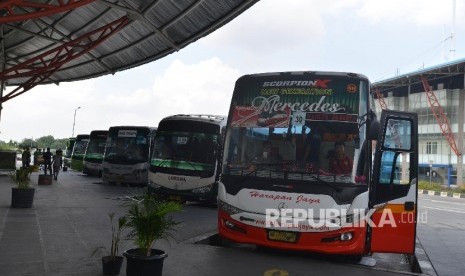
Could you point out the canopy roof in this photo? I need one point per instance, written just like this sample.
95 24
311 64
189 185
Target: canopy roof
449 75
51 43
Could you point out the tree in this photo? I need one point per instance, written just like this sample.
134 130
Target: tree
12 143
59 144
27 143
45 141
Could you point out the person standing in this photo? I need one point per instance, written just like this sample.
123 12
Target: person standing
26 158
57 163
47 161
37 153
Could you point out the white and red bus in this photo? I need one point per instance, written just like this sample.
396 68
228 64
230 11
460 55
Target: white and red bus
307 166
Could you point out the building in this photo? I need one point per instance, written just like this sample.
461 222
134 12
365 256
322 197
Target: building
406 92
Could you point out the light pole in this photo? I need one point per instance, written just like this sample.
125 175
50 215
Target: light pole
74 121
430 171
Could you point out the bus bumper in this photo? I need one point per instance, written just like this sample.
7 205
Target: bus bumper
139 179
319 242
208 195
92 168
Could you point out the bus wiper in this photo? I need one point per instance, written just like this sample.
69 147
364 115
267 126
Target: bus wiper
258 165
184 160
164 160
270 163
188 162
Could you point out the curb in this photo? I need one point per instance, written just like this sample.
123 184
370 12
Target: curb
443 194
420 262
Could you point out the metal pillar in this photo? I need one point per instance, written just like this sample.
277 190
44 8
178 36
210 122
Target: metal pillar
3 66
460 122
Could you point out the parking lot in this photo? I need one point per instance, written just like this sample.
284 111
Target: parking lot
69 220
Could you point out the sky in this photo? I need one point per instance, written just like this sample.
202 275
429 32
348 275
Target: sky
378 39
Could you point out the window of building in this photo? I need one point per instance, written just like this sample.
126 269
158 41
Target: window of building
431 147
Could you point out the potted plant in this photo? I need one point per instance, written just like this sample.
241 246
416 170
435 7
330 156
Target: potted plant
22 196
149 220
111 263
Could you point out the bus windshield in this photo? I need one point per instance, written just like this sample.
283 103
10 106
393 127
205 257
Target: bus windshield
186 150
96 146
323 152
290 128
80 146
129 146
69 147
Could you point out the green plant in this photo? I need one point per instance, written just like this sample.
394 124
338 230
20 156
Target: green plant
116 232
425 185
4 146
22 178
149 221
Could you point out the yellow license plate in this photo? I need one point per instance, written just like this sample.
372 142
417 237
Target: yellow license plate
174 198
282 236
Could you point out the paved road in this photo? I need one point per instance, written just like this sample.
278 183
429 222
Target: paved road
441 230
69 220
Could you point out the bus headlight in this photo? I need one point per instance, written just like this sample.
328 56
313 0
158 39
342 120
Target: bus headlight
202 190
229 209
346 236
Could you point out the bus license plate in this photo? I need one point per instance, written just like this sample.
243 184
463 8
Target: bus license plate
174 198
282 236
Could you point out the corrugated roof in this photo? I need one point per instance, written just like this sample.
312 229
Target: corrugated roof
451 72
156 29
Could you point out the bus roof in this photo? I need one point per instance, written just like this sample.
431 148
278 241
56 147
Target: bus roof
306 73
82 136
150 130
98 132
138 127
218 119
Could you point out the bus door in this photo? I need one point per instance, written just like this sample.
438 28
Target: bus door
393 189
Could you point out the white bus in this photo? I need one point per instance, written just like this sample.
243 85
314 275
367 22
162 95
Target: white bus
127 154
307 166
184 164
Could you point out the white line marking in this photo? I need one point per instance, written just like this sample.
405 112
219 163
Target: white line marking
442 209
442 201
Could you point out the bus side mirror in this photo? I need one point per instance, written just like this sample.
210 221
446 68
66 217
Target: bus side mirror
373 130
